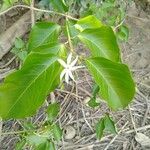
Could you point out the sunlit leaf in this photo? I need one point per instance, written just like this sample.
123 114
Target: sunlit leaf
101 42
42 33
115 81
26 89
88 22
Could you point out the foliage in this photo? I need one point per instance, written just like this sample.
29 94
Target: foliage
107 124
24 91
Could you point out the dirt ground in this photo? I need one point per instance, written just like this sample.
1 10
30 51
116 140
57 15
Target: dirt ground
78 119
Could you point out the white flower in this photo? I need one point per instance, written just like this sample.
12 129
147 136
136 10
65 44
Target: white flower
69 67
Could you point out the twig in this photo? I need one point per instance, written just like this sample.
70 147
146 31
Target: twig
8 63
137 129
115 136
132 120
85 118
37 9
147 109
52 95
32 13
115 28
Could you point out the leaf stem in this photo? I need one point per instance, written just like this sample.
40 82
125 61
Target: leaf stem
69 37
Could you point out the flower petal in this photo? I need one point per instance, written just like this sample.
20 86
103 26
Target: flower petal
74 62
62 63
67 77
69 59
71 75
62 74
76 67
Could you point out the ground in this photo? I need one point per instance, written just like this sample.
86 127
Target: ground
78 120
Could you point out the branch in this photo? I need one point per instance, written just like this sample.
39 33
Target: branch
32 13
37 9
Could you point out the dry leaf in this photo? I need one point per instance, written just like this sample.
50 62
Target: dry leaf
142 139
70 132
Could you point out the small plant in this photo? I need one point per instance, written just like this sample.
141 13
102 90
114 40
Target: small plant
47 63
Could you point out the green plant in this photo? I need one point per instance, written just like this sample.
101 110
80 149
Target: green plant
25 90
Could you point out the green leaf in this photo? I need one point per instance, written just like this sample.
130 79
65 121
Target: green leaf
36 140
101 42
22 55
115 81
100 128
28 126
42 33
46 146
20 144
57 132
95 90
52 111
27 2
92 102
88 23
109 125
26 89
71 27
123 33
59 5
19 43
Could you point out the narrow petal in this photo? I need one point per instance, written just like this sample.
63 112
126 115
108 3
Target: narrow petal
62 74
76 67
62 63
67 77
69 58
71 75
74 62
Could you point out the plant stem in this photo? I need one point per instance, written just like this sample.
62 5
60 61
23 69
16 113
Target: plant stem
69 37
32 13
37 9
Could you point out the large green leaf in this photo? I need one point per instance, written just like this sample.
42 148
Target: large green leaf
25 90
115 81
42 33
88 22
101 42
